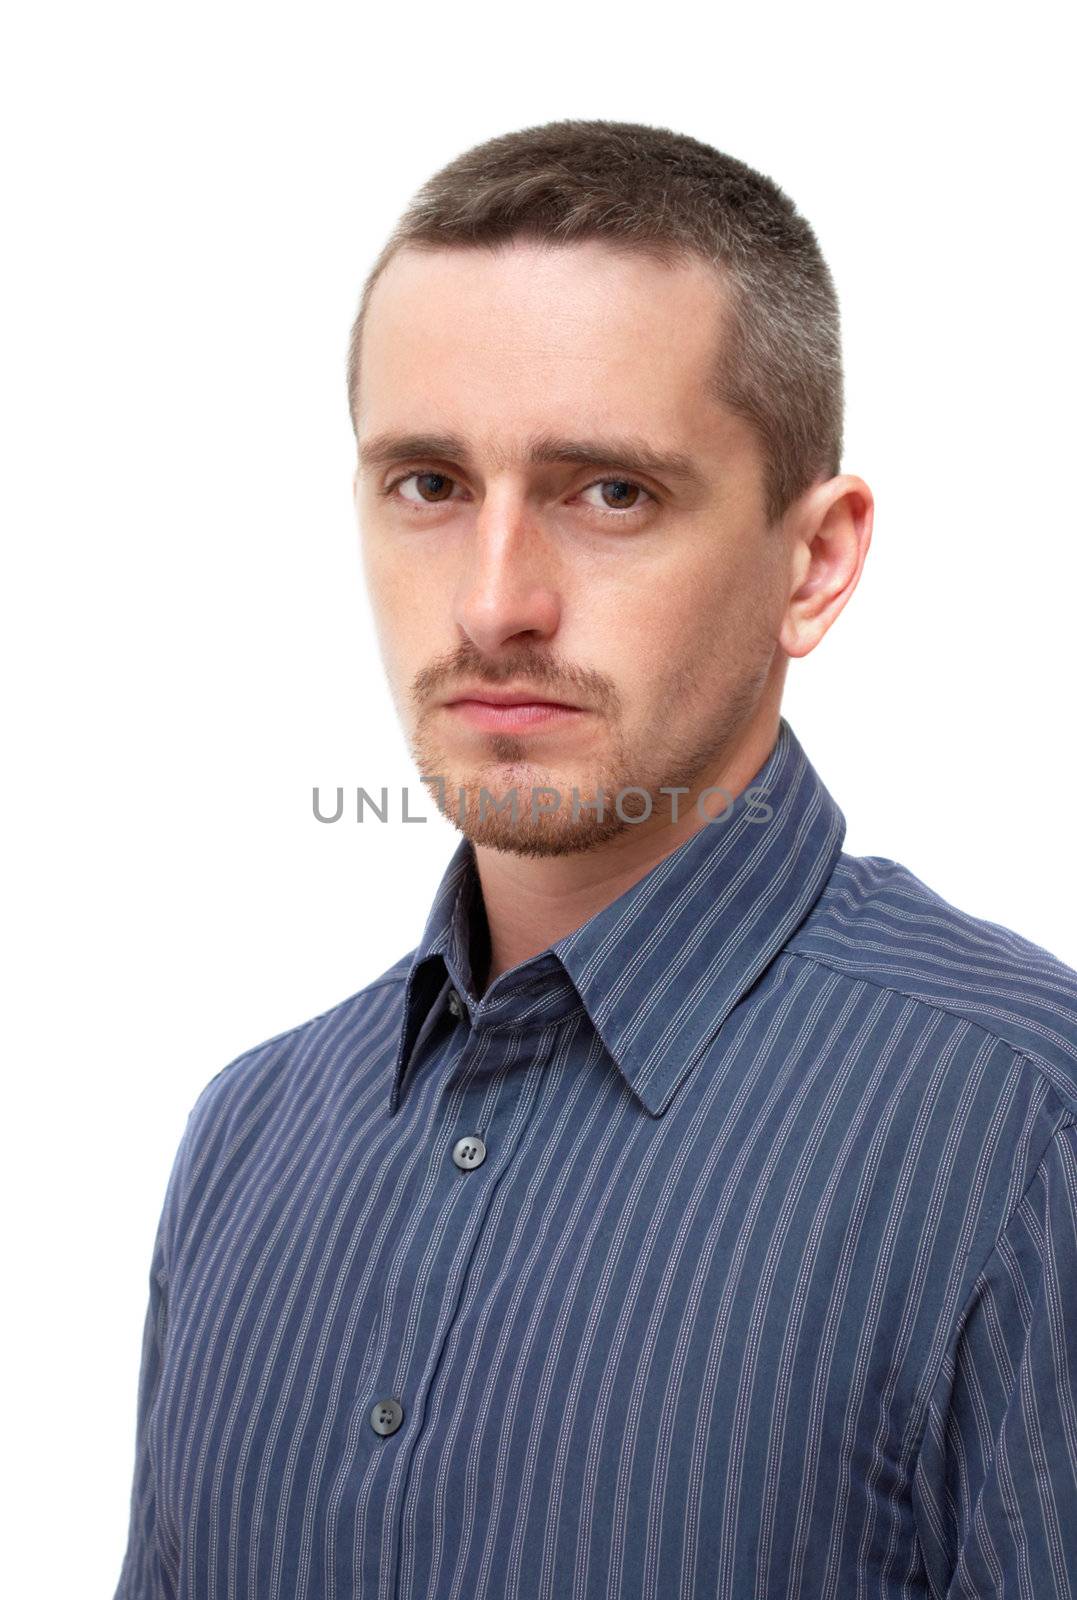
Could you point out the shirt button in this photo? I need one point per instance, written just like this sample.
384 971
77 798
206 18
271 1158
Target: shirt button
469 1152
386 1416
456 1005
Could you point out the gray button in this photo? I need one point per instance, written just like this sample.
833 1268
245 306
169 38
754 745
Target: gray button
455 1004
469 1152
386 1416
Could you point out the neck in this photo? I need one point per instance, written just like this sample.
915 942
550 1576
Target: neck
532 901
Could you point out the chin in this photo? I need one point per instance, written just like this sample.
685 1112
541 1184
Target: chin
546 836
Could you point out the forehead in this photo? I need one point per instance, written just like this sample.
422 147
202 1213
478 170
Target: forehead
533 336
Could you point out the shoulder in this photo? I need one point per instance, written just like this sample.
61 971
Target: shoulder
271 1082
877 922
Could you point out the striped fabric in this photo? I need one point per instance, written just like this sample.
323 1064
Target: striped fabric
727 1248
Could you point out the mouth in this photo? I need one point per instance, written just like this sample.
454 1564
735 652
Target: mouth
510 711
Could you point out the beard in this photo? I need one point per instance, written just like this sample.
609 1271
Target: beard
504 800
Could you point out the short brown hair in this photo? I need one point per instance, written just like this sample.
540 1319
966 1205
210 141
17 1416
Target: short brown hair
670 196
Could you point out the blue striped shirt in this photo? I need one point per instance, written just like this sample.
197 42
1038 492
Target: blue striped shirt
726 1248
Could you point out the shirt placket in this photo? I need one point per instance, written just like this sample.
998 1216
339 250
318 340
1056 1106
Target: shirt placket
481 1086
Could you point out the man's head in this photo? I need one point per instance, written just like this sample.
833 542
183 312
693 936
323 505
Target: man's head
596 384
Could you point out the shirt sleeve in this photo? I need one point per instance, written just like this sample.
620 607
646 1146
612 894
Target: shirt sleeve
995 1487
139 1576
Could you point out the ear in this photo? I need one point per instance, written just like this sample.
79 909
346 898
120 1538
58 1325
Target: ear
831 532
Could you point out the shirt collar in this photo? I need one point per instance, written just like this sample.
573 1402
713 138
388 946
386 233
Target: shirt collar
660 968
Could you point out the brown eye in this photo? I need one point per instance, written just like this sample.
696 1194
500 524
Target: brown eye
618 494
432 487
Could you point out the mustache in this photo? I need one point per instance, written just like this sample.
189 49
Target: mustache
555 678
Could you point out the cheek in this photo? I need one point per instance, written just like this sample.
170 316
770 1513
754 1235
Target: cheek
688 638
409 570
665 621
403 586
398 608
385 573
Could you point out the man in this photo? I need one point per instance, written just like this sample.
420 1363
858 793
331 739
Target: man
692 1212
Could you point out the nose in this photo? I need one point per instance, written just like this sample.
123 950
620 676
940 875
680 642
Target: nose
508 587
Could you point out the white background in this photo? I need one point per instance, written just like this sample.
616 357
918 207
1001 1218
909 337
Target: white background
193 196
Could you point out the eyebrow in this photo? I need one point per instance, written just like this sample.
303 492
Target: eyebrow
383 449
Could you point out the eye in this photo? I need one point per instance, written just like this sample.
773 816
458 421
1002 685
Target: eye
424 488
618 496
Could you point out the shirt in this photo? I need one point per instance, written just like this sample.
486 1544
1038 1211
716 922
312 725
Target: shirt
726 1248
